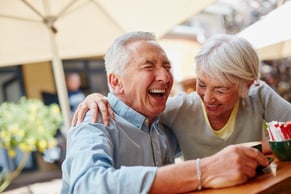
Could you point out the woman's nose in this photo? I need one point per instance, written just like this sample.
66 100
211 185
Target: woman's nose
208 96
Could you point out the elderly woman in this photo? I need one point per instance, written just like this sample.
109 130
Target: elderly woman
229 106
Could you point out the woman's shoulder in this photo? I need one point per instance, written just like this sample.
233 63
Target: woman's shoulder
260 88
265 95
184 97
183 102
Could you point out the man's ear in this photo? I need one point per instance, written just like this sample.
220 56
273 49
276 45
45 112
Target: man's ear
115 83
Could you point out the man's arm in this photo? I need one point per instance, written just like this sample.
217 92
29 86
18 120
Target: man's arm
232 166
89 162
89 166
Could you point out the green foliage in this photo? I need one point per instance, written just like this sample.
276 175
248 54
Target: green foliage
29 125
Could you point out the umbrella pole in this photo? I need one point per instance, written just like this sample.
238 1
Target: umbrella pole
60 83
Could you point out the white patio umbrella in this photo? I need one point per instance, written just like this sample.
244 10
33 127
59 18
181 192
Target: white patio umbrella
271 36
52 30
276 51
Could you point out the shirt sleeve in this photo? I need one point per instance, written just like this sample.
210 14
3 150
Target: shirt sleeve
89 166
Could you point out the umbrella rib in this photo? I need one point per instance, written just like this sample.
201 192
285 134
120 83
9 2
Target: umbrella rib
48 21
18 18
33 9
66 8
108 15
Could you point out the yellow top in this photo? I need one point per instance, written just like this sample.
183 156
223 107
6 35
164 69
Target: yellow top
228 128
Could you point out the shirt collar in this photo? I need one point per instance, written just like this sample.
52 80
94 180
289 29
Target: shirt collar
126 112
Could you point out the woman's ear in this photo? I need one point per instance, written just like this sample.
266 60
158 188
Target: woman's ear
115 83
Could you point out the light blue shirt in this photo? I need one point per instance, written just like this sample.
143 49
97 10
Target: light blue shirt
121 158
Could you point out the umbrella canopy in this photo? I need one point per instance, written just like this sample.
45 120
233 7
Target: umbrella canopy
271 36
51 30
276 51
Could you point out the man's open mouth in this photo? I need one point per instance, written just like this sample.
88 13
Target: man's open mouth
157 92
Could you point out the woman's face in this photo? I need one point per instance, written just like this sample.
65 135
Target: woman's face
219 99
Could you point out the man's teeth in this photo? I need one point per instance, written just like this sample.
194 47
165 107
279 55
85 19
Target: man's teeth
157 91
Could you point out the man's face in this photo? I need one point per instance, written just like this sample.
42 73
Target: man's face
148 80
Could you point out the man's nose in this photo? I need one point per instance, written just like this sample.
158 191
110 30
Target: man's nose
163 75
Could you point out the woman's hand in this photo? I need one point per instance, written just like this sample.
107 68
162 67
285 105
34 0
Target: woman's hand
94 102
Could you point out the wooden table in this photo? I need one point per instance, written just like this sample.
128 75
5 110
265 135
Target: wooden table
263 183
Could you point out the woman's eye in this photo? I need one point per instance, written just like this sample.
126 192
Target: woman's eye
222 91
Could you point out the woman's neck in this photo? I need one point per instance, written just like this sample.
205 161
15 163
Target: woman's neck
218 123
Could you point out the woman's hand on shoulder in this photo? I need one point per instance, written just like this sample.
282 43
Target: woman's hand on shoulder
94 102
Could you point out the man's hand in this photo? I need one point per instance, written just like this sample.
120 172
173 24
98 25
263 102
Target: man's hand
231 166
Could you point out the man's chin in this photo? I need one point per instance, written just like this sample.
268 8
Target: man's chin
156 111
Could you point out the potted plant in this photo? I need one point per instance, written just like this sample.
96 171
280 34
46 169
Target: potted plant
29 126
